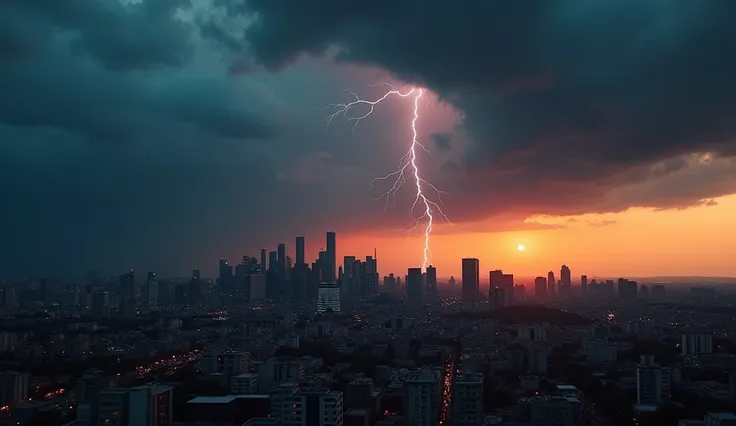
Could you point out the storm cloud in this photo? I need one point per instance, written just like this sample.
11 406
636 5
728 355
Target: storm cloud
167 134
570 97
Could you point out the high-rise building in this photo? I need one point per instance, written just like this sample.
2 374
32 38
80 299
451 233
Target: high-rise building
414 284
540 287
349 278
501 288
273 261
256 287
431 280
299 252
697 344
551 284
264 265
467 400
312 406
566 280
471 279
332 257
150 405
422 397
224 360
584 284
127 293
652 382
152 289
281 256
627 289
328 298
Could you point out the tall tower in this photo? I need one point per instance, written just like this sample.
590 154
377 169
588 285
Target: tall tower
331 257
551 284
299 252
281 253
471 279
566 278
264 266
414 284
431 280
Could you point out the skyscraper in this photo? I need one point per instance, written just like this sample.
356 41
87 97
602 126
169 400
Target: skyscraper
273 261
540 287
566 278
370 279
348 277
299 251
281 253
471 278
264 266
332 257
414 284
431 280
584 284
551 283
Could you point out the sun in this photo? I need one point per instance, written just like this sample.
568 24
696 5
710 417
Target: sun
521 247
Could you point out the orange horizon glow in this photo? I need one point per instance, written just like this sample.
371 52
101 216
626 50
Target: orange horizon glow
635 243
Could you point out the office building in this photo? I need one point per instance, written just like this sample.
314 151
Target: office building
422 398
471 279
414 284
300 260
281 259
256 287
551 284
431 280
501 288
224 360
550 411
652 382
584 284
370 276
331 257
627 289
328 298
276 372
658 290
151 293
565 281
697 344
244 384
140 406
467 400
307 407
263 265
540 287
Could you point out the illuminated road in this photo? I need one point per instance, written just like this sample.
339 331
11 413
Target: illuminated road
447 390
169 365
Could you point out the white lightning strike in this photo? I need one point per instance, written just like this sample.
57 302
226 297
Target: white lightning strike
407 165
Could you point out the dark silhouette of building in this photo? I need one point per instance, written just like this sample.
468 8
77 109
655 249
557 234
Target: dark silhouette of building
471 278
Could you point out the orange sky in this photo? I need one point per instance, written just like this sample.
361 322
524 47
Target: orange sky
638 242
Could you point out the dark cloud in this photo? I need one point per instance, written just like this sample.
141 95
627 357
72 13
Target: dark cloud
442 140
564 100
122 35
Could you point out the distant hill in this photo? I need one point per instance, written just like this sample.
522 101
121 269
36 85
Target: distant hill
527 314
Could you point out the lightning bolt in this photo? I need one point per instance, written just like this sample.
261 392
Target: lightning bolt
408 167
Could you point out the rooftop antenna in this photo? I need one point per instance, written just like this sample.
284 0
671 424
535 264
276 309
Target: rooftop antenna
375 253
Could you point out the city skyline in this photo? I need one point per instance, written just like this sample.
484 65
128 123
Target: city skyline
196 142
